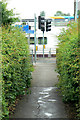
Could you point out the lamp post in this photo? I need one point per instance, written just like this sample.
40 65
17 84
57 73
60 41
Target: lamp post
76 9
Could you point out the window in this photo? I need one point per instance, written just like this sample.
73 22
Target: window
31 40
40 40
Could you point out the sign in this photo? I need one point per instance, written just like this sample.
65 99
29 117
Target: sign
30 31
25 28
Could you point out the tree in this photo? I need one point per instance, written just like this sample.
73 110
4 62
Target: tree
7 16
79 12
60 13
68 14
42 13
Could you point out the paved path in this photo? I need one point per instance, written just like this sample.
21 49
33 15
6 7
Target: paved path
44 100
44 74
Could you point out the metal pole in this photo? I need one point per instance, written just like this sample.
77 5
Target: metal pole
50 52
32 56
76 10
35 34
29 39
43 44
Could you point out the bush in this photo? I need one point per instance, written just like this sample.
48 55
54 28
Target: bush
16 67
68 64
0 75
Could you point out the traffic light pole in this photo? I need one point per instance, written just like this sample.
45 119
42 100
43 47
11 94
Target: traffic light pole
41 25
35 34
43 44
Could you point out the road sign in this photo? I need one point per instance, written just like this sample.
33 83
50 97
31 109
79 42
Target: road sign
25 28
30 31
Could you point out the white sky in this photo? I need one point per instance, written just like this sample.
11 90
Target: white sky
27 8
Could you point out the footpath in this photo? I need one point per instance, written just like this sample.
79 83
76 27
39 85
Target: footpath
44 100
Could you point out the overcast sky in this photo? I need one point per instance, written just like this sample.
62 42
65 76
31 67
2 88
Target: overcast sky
27 8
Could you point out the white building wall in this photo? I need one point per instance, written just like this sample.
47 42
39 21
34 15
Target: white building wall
52 40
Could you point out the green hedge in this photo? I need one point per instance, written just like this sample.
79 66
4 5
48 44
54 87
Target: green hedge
68 64
0 74
16 66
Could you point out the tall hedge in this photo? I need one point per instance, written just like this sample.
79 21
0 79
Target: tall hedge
16 66
0 74
68 64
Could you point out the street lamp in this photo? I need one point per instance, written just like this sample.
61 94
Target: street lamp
75 9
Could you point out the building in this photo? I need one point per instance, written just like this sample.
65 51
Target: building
50 39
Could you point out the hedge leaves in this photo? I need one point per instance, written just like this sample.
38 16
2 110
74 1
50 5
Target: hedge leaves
16 67
68 64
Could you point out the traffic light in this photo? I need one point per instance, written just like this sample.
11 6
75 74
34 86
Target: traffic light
41 23
48 25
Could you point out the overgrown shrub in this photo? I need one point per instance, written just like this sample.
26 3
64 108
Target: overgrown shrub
16 66
68 64
0 74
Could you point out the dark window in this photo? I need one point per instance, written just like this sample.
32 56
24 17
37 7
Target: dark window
31 40
40 40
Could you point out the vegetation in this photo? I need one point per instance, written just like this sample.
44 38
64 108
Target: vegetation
6 16
42 13
0 74
79 12
60 13
68 65
15 59
16 67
